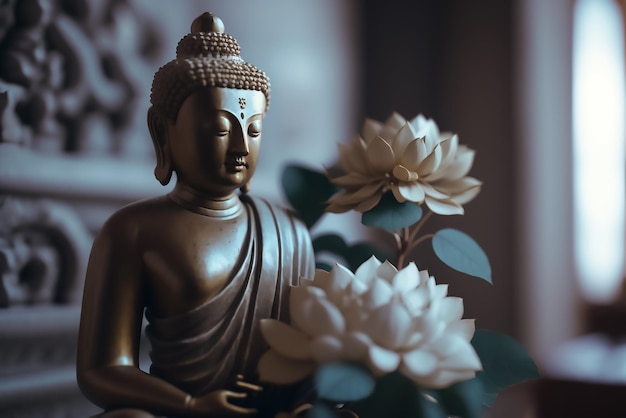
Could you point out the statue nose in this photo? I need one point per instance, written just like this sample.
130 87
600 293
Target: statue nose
239 144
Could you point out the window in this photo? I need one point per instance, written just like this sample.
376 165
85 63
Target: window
599 152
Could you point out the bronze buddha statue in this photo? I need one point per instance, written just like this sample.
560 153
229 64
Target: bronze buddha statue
204 262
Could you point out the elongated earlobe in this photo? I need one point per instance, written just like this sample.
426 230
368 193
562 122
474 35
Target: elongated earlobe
245 188
158 133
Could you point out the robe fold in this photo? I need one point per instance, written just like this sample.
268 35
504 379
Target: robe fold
205 348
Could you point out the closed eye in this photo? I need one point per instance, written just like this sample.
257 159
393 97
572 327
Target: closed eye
222 126
254 130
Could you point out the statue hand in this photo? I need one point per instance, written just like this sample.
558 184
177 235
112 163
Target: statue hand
217 403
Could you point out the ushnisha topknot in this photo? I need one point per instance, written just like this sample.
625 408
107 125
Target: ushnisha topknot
206 57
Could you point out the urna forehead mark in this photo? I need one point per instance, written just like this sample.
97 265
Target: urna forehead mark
244 103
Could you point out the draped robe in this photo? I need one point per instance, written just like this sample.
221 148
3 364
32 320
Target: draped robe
205 348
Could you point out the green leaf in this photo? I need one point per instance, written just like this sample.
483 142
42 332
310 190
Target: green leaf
460 252
320 410
392 215
354 255
463 399
307 191
426 408
397 396
361 252
331 243
323 266
505 362
343 382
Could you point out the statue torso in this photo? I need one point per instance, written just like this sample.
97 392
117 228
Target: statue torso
205 284
187 256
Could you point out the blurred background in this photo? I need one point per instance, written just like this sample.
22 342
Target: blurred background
535 87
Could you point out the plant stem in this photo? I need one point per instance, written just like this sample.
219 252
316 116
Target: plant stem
420 240
409 240
401 242
419 225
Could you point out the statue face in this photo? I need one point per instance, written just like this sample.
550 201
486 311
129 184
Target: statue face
214 143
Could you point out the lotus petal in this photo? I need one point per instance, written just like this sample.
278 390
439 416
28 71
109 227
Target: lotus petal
395 189
381 361
327 349
406 279
419 362
286 340
460 166
416 339
413 154
433 192
467 196
387 271
429 324
447 345
380 157
454 187
274 368
464 328
418 122
351 180
430 131
366 272
369 203
334 207
401 173
442 207
340 278
430 163
314 314
357 196
358 288
356 346
392 125
440 291
416 300
449 147
352 156
321 280
450 309
462 358
378 294
405 135
413 192
424 276
443 378
390 325
371 129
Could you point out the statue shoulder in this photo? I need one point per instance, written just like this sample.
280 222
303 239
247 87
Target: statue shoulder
280 213
126 223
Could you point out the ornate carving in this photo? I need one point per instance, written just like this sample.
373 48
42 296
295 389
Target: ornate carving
67 73
43 252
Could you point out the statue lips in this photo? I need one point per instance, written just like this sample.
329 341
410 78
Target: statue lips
236 163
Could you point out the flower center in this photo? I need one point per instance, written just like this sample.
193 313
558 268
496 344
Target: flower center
402 173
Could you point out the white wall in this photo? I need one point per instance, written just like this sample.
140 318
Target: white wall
551 301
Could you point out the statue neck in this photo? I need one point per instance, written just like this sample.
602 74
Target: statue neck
227 207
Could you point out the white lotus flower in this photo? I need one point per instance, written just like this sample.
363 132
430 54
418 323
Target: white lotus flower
410 158
384 318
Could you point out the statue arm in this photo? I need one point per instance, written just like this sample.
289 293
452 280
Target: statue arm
110 330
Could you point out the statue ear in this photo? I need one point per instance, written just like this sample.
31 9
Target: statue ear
245 188
158 132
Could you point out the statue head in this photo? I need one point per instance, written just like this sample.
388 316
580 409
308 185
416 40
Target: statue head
207 109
